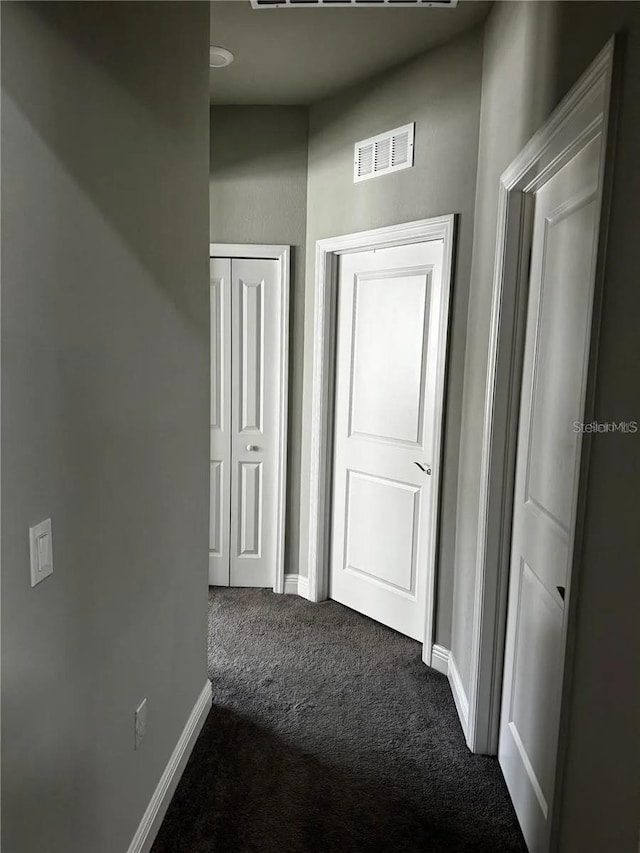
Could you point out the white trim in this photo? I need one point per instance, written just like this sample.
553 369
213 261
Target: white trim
327 251
283 255
459 696
296 585
440 658
1 525
291 584
247 250
581 116
442 661
155 811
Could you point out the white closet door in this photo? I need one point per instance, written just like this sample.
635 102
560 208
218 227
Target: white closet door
254 420
220 421
547 469
385 416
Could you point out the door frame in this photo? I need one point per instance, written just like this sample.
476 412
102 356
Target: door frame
322 391
582 115
282 254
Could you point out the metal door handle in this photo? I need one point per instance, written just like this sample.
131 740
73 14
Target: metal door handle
251 447
426 469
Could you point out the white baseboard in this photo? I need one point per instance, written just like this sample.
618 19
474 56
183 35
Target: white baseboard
153 816
459 696
303 587
440 658
296 585
291 584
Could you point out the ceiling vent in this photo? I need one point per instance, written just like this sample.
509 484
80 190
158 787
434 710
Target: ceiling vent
337 4
385 153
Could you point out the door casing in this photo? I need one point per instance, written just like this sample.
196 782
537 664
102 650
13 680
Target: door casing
282 254
585 114
322 391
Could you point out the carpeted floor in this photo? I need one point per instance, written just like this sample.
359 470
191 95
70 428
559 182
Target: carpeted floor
329 735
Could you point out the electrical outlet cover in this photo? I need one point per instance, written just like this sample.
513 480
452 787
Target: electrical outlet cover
41 551
141 723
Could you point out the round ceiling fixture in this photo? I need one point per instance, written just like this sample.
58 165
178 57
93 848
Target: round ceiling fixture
219 57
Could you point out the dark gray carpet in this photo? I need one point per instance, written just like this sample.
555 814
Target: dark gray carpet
329 735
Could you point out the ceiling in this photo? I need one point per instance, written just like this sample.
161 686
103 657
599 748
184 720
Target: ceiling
298 56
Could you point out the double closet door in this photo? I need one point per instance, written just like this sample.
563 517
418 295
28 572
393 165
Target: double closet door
245 420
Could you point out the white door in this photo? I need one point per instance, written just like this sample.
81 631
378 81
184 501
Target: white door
245 416
254 420
547 466
220 421
385 414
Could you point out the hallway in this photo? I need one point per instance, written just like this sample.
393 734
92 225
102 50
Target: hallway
329 735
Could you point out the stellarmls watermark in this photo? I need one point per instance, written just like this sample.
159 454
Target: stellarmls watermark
628 427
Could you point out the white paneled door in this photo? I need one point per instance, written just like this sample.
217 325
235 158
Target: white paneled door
385 416
547 466
245 417
220 422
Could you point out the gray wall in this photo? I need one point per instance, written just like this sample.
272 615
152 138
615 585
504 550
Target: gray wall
441 93
104 409
516 98
258 194
533 54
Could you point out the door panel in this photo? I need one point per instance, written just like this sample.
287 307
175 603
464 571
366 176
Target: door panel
547 466
250 509
390 315
220 421
538 633
251 354
375 503
385 388
216 504
254 421
556 393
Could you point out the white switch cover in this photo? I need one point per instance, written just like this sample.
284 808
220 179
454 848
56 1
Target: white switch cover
41 547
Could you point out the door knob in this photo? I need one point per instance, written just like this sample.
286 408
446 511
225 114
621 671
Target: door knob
426 469
252 447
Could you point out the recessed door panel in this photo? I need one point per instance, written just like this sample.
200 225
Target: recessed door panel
251 353
250 509
557 375
390 323
383 531
216 303
215 508
535 691
384 423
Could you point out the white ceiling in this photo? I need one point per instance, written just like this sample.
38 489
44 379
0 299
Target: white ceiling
298 56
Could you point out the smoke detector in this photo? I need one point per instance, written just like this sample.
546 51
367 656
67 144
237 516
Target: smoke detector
219 57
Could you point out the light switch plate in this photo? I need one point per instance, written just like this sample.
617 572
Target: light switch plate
41 548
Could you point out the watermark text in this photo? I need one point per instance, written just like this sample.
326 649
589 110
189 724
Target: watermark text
625 427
